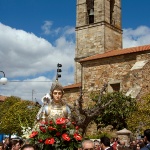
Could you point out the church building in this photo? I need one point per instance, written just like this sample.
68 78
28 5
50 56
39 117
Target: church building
99 56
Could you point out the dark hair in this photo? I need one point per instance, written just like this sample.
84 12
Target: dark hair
21 141
13 143
28 146
147 134
105 140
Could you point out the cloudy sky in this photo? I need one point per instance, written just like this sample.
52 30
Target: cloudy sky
35 35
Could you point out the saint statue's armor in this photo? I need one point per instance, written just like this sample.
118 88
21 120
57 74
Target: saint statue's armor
51 109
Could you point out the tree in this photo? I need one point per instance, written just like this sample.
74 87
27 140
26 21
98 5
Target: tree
9 101
138 120
84 116
109 109
23 112
117 112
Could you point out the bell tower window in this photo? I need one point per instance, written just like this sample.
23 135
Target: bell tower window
112 3
90 11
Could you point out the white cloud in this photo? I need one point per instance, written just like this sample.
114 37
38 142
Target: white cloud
46 28
136 37
24 54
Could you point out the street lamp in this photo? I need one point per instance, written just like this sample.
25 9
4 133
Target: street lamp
3 80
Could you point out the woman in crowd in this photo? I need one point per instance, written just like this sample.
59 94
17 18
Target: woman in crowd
14 145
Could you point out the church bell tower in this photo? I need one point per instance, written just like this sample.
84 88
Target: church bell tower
98 29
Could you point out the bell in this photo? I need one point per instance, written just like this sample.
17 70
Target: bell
91 12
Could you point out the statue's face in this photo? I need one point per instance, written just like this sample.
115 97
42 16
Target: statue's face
57 95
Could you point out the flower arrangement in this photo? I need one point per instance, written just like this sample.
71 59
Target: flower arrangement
58 135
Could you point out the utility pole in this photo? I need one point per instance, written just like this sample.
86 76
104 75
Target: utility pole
32 94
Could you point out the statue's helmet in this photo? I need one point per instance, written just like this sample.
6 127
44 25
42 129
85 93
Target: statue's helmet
56 86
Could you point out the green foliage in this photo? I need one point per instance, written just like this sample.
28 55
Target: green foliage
117 112
138 120
9 101
17 112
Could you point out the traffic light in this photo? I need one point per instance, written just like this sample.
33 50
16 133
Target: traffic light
58 71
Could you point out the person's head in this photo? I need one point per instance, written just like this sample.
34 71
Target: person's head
28 147
139 145
7 141
105 142
147 135
122 143
57 95
96 144
56 91
14 144
1 146
21 142
88 145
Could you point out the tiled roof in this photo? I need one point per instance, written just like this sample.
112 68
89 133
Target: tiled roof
117 52
2 98
76 85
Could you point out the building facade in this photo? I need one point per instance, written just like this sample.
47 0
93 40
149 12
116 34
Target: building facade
99 56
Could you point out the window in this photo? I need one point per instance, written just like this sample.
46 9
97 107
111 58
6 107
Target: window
112 2
114 86
90 10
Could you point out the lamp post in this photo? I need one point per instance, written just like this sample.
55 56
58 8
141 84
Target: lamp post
3 80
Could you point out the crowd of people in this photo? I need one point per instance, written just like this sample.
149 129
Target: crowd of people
104 143
16 144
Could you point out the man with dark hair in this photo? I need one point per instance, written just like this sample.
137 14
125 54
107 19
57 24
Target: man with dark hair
146 139
105 143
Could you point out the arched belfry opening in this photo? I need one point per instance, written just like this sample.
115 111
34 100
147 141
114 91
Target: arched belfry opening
112 3
90 11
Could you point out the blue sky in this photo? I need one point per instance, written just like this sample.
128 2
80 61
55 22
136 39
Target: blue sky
35 35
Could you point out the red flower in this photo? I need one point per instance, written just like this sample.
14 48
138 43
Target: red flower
40 140
33 134
73 123
51 128
66 137
44 122
58 134
42 128
50 141
77 127
51 122
60 120
77 136
64 126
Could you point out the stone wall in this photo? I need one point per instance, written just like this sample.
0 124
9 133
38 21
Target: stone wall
117 69
130 71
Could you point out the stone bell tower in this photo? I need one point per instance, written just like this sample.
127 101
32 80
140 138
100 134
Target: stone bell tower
98 29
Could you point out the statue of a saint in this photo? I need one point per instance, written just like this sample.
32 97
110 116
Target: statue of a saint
54 106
